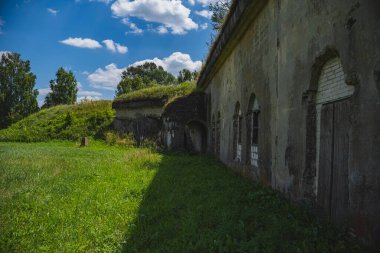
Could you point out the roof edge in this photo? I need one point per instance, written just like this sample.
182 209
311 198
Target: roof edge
237 16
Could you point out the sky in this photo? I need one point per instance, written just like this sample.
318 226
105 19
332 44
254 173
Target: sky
98 39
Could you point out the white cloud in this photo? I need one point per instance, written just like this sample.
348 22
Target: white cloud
172 14
174 63
110 76
132 26
203 26
4 52
115 47
202 2
162 29
92 98
44 91
101 1
52 11
106 78
89 93
204 13
83 43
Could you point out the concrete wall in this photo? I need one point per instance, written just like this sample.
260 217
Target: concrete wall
141 122
184 124
279 58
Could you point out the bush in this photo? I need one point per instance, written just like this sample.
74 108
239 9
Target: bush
125 140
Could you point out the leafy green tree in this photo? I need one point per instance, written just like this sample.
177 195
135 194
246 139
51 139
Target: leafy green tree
63 89
18 98
127 85
142 76
219 11
186 75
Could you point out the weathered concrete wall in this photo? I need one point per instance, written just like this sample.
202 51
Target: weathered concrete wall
184 124
140 118
279 58
130 113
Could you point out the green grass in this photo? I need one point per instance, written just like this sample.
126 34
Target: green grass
65 122
56 197
158 92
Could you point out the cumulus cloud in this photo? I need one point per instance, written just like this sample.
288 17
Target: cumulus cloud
4 52
110 76
204 13
162 29
82 43
101 1
203 26
52 11
172 14
202 2
174 63
92 98
115 47
89 93
132 26
106 78
44 91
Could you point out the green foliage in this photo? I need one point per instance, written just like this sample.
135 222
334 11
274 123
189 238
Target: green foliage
158 91
67 122
142 76
57 197
18 98
219 11
63 89
186 75
113 138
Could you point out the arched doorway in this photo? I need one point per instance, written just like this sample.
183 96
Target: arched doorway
196 137
332 113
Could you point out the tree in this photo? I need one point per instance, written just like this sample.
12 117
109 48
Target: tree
18 98
141 76
63 89
219 11
127 85
186 75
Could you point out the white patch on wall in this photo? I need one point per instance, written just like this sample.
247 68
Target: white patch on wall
331 87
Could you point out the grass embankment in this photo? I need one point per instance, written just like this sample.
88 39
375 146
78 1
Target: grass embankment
56 197
65 122
158 92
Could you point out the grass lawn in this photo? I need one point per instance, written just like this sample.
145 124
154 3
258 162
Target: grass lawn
56 197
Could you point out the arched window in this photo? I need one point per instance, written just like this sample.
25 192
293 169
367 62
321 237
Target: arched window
237 124
253 131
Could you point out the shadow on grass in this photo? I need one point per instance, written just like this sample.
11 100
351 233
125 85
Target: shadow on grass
195 204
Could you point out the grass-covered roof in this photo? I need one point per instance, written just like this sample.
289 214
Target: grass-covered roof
157 92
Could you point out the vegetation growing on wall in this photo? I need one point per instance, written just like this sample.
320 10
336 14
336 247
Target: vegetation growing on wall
67 122
158 92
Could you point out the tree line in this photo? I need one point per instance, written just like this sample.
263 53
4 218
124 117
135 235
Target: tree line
18 97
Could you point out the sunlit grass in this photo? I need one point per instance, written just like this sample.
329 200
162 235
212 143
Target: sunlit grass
57 197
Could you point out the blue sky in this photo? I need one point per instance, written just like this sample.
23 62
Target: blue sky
97 39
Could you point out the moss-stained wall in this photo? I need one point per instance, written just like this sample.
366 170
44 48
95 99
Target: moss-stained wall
277 54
